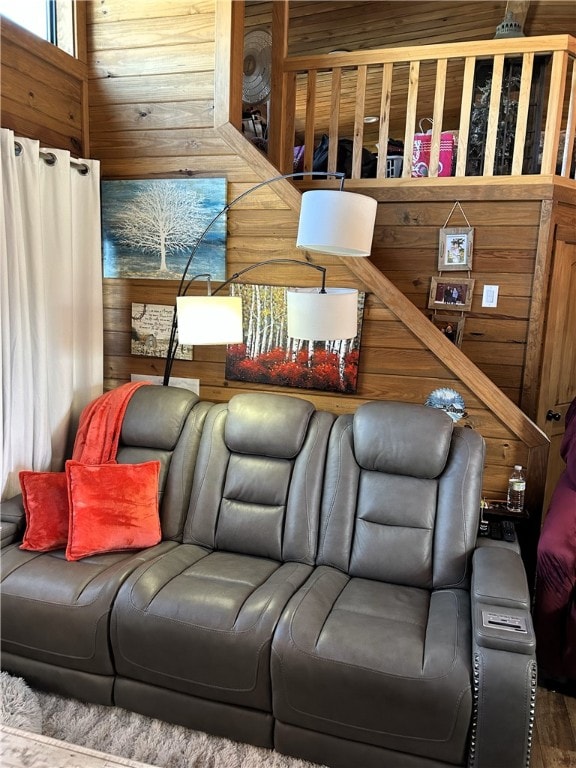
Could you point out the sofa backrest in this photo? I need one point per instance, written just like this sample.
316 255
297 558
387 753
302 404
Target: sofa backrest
402 496
165 424
258 478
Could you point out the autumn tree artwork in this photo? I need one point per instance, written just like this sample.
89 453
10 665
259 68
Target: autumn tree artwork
149 227
268 355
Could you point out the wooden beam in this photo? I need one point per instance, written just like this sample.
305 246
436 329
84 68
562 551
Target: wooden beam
518 10
450 355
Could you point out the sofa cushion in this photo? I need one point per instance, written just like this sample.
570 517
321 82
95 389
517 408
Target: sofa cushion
201 623
56 613
267 425
251 494
45 499
113 507
415 531
155 416
376 663
390 437
200 620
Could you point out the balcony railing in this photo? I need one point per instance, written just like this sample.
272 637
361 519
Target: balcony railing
509 103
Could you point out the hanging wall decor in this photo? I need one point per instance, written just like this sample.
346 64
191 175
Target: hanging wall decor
455 251
455 244
269 356
150 226
151 327
451 293
452 326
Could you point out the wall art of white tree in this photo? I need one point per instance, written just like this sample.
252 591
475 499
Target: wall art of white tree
149 227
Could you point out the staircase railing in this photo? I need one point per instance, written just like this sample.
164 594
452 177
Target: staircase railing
510 105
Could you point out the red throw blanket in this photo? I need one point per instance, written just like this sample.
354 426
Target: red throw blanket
101 423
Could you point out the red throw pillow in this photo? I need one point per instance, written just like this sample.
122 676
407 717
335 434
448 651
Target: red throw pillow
113 507
45 497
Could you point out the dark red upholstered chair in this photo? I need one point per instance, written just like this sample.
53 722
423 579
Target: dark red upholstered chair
555 598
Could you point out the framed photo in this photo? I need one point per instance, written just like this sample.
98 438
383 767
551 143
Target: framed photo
455 248
452 326
451 293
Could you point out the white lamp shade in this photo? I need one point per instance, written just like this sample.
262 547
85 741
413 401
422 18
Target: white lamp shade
341 223
318 316
209 319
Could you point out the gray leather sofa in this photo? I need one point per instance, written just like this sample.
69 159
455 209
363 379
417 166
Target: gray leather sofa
318 590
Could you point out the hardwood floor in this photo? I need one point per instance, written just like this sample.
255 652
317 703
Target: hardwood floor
554 743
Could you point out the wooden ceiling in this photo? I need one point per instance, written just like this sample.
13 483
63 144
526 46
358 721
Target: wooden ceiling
322 26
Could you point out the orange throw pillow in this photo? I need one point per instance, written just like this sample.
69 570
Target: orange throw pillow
113 507
45 498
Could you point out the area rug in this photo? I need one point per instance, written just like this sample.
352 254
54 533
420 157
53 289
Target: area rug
127 734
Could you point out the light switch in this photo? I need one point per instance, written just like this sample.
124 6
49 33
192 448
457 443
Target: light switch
490 296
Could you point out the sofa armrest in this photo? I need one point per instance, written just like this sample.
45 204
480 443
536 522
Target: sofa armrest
504 661
12 520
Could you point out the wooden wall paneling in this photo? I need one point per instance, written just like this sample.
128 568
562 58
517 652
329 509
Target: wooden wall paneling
110 11
134 89
158 32
128 62
43 90
395 360
166 143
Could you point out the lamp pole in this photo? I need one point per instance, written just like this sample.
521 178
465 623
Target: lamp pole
184 285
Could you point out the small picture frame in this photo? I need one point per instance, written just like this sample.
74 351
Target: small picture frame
452 326
450 293
455 252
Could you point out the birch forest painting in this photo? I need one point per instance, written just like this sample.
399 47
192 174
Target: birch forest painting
149 228
268 356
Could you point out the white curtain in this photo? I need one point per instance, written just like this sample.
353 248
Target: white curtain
50 304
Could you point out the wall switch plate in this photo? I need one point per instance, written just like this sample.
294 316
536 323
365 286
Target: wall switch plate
490 296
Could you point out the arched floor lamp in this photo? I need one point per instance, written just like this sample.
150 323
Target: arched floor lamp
331 221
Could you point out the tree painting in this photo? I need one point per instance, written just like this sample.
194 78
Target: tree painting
149 227
268 355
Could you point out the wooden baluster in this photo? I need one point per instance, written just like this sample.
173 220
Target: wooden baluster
465 113
522 114
384 129
278 137
493 115
411 106
554 111
289 122
334 117
310 119
568 153
358 142
439 93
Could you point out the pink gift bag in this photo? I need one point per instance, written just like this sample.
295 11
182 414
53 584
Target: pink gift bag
421 152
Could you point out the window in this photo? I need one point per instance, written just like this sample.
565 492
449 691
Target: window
52 20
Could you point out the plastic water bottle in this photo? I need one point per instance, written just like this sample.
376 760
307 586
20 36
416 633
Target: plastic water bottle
516 490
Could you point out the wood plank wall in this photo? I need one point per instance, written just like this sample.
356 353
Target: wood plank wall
145 90
44 91
152 115
504 252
